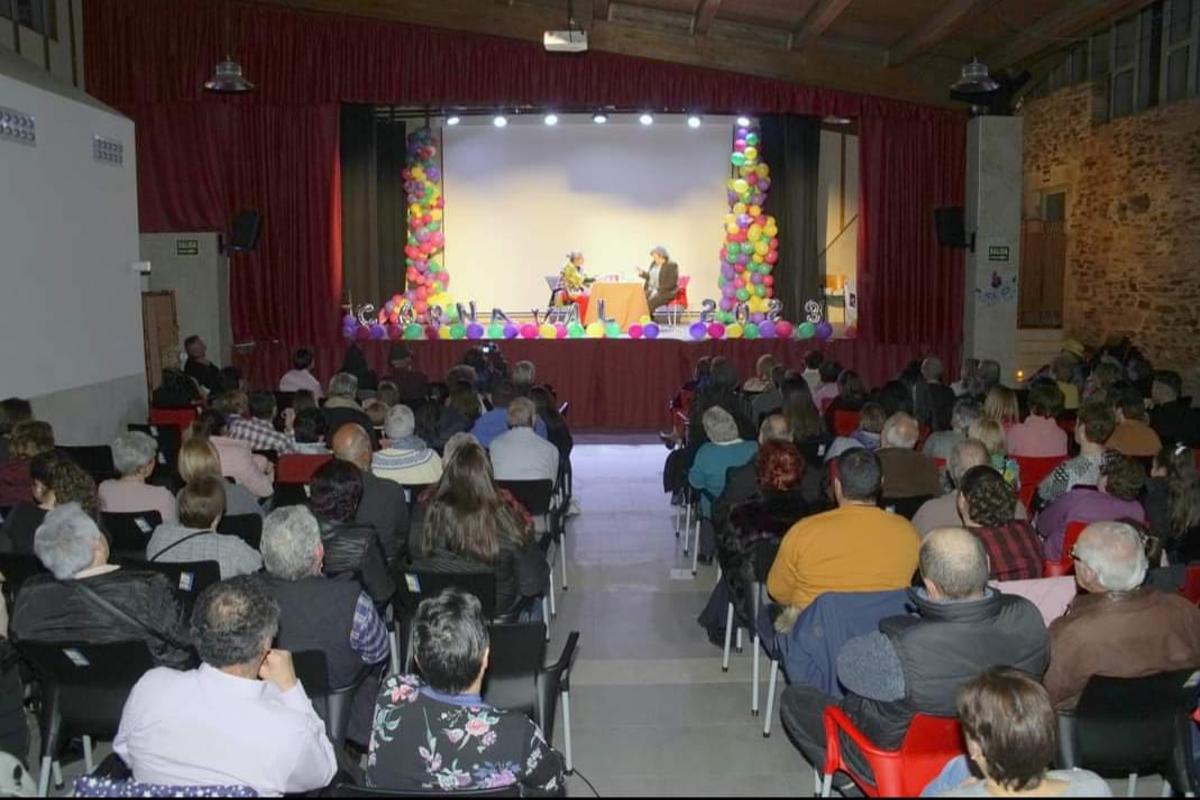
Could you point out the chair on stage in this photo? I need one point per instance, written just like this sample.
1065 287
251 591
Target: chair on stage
678 306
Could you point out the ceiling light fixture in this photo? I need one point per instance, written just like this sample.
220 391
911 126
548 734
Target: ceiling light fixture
453 119
551 119
227 76
646 118
975 79
500 121
694 121
599 118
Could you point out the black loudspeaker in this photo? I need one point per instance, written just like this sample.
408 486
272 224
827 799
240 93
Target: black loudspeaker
246 227
951 228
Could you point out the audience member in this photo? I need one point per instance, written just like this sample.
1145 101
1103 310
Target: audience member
300 376
199 368
1114 497
916 664
242 718
1092 429
355 363
1039 436
858 547
942 512
388 394
967 379
342 408
557 431
233 405
55 480
1132 435
808 429
1001 406
521 454
721 391
472 745
253 472
333 617
1011 732
906 473
761 380
813 360
469 527
987 377
232 380
194 537
351 547
991 433
1173 504
12 411
376 411
27 439
1103 376
941 396
135 455
198 459
383 505
411 383
741 483
867 436
1118 628
723 450
1171 414
304 400
524 376
1063 372
86 599
940 443
258 430
406 460
852 394
309 430
987 506
827 389
770 399
919 393
495 422
895 397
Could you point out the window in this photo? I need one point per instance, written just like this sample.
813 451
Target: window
1149 55
1054 206
37 15
1180 50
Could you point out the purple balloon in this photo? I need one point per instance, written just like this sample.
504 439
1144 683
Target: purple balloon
378 331
727 272
824 330
698 330
650 330
474 331
743 259
764 184
726 303
732 196
766 329
757 317
511 331
742 133
348 331
756 278
433 173
743 220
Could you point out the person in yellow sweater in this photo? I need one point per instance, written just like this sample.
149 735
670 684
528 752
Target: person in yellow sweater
857 547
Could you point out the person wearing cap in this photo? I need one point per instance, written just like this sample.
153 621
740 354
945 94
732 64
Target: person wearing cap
661 279
411 383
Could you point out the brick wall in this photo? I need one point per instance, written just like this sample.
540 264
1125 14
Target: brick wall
1133 220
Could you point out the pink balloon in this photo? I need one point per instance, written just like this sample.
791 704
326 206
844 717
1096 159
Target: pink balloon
529 331
771 257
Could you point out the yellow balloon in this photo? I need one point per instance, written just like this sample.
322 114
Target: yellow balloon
643 319
754 232
444 332
751 153
418 173
739 208
733 331
771 231
740 186
595 330
436 214
756 258
755 211
761 248
414 210
763 171
730 183
744 171
547 331
732 227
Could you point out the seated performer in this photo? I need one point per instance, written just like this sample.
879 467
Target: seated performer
572 284
661 279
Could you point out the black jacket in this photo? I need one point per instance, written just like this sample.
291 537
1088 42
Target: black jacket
317 613
207 375
354 549
19 527
384 508
1176 423
520 572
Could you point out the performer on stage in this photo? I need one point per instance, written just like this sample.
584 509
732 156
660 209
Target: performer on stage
572 284
661 279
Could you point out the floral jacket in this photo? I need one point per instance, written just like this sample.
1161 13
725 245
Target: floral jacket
425 740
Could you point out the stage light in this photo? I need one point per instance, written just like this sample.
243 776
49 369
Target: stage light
694 121
453 120
646 119
743 122
599 118
551 119
500 120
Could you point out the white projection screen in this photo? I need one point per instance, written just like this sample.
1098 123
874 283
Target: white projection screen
519 198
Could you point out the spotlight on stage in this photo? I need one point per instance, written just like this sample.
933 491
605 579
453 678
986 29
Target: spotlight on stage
500 120
694 121
599 118
743 122
453 119
550 119
646 118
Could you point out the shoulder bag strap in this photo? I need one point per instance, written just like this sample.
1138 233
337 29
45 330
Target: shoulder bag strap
127 618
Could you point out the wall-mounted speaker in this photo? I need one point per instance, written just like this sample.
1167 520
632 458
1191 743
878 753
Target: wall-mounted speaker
246 227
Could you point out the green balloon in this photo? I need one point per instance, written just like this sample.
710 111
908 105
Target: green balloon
752 140
750 331
737 159
575 330
805 330
760 290
743 295
414 331
725 317
457 331
612 329
435 226
733 248
495 331
450 312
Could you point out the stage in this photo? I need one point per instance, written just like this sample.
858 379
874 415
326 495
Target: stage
619 384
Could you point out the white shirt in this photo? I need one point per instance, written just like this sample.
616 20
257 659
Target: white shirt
521 455
298 379
204 727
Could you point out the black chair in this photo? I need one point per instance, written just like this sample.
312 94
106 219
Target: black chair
347 789
4 512
289 494
84 688
538 499
412 492
189 578
519 680
1123 726
906 507
96 460
16 569
166 473
247 527
332 703
129 533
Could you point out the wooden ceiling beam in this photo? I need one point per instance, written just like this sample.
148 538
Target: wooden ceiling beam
932 31
1073 18
705 15
824 14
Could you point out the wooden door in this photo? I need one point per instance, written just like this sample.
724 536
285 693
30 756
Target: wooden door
1043 266
162 335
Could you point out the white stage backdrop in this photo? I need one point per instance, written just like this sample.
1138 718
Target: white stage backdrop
519 198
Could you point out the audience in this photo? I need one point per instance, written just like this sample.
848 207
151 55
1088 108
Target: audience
194 537
761 380
741 483
858 547
342 408
852 393
495 422
198 459
388 394
967 379
1039 436
987 506
135 455
942 511
827 389
524 376
1173 503
906 473
352 548
12 411
411 383
316 613
300 377
435 733
813 360
991 434
1114 497
27 439
1063 372
987 377
721 390
870 425
382 505
86 599
522 454
723 451
1132 435
406 459
309 430
1001 406
253 472
941 397
894 397
1119 628
199 368
355 363
1092 429
808 429
939 444
769 400
259 429
241 718
55 480
916 664
1171 414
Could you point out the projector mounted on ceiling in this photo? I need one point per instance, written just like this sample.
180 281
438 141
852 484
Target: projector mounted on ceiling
568 41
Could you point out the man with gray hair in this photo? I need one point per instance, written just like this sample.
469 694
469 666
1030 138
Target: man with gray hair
915 664
1119 628
319 613
135 456
405 458
965 411
906 473
942 512
75 601
521 454
341 406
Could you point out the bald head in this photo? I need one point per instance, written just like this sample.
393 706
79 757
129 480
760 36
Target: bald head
901 430
1111 558
774 428
954 564
351 443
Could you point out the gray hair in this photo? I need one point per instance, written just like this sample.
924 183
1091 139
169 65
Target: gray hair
521 413
344 384
963 456
661 251
524 373
1114 551
900 430
65 542
400 422
455 442
719 425
133 450
955 561
932 368
966 410
289 542
774 428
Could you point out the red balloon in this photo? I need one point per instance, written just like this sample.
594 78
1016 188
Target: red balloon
774 243
772 257
761 219
769 280
752 178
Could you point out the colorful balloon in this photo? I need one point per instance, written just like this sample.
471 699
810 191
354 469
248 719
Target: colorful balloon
650 330
805 330
529 331
595 330
698 330
635 331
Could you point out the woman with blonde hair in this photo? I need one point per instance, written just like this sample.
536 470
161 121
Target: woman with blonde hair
761 380
198 459
1001 405
991 435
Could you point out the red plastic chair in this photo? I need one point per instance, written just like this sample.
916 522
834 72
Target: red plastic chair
941 463
1191 585
298 467
679 303
1032 470
928 745
845 422
1065 565
178 417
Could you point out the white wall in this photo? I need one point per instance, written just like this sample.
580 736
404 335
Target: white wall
519 198
70 305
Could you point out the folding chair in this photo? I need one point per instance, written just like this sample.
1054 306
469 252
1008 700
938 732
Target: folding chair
299 467
129 533
1065 564
96 460
188 578
290 494
16 569
1032 471
928 745
247 527
180 418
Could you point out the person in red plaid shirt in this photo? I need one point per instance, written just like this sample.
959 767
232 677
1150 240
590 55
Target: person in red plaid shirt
987 506
259 429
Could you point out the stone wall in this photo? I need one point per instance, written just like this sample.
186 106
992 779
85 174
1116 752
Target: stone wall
1133 220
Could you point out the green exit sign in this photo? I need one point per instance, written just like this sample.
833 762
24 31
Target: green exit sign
998 253
187 247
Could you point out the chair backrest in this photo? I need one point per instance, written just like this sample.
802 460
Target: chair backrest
130 532
289 494
93 786
332 703
906 507
1065 564
762 557
188 578
1191 584
299 467
845 422
247 527
928 745
96 460
681 296
1032 470
284 400
169 438
518 653
16 569
179 418
536 496
420 584
413 492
